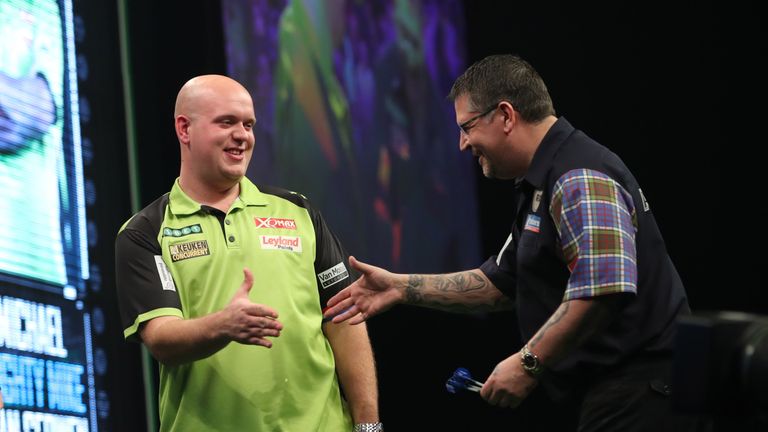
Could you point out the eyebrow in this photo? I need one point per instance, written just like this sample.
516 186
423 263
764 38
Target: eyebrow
234 117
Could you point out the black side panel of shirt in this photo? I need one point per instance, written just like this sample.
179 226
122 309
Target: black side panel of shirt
139 238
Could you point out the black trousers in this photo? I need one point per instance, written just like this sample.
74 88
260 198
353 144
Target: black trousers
636 397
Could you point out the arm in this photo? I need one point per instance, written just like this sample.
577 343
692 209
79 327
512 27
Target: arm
173 341
572 323
585 205
355 368
378 290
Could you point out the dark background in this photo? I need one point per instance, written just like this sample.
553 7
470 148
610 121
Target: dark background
675 90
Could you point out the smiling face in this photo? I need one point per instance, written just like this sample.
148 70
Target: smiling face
496 136
476 134
214 123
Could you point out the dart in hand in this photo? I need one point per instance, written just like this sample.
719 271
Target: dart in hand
462 380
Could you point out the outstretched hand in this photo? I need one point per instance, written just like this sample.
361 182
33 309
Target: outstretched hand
374 292
248 322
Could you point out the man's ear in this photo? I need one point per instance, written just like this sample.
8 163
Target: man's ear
182 129
510 115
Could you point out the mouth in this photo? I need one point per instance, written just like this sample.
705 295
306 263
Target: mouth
235 154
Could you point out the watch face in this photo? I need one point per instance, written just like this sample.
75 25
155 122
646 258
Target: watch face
529 360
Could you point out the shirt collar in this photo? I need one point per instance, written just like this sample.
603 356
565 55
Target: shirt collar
545 153
181 204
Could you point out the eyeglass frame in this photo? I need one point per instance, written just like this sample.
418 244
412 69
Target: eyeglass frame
465 127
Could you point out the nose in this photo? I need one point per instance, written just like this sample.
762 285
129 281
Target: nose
240 132
463 141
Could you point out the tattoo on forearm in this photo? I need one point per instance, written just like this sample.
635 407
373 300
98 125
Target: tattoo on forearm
553 320
413 289
456 292
459 282
598 315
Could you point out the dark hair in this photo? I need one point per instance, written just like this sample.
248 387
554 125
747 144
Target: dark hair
508 78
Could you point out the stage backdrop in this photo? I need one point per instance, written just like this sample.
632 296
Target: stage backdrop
352 112
63 195
49 365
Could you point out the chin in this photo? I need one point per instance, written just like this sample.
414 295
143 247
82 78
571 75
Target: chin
232 177
488 171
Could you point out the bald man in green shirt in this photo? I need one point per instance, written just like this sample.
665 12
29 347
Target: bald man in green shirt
225 283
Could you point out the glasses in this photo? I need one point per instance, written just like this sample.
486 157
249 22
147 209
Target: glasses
469 124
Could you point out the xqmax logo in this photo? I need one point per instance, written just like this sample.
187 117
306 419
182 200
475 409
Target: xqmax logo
278 223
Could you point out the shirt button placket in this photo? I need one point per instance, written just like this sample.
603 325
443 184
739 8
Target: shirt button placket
230 237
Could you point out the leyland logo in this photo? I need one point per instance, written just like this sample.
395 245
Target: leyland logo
286 243
275 223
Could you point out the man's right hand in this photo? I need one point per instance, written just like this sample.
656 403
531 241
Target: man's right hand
373 293
173 340
247 322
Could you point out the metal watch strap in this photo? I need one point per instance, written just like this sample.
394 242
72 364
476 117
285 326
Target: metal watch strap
526 355
369 427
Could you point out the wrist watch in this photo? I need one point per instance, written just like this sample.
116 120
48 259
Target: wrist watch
369 427
530 362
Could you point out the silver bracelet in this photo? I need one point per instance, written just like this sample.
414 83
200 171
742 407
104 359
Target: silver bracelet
369 427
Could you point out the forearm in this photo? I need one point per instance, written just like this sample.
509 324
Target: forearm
467 291
173 341
573 322
356 369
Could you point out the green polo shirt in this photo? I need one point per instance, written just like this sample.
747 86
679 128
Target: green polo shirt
180 258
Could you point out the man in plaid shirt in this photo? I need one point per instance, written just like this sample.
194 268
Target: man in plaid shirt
585 267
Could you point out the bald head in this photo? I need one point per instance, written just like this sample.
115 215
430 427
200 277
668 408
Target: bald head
214 119
195 92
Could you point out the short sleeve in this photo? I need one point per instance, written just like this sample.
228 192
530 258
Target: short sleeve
500 269
145 288
594 217
331 261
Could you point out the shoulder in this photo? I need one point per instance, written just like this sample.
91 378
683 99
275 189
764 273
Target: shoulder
285 194
149 218
582 155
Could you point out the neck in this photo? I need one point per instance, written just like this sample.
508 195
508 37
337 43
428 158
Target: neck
540 129
522 145
219 196
534 134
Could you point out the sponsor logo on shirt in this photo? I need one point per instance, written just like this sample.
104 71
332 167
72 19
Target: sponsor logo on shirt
181 232
536 200
275 223
333 275
165 275
286 243
188 250
532 223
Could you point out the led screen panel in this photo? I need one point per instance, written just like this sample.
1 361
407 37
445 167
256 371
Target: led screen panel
47 365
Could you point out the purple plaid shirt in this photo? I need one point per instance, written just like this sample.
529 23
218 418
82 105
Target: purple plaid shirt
596 221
